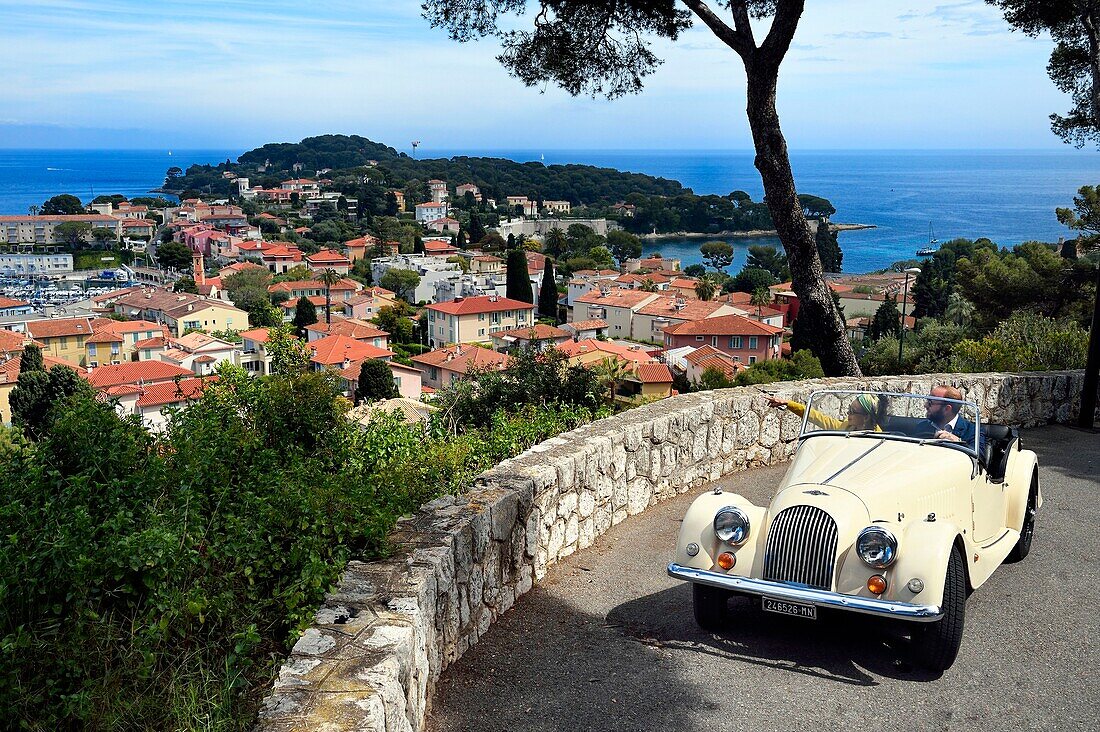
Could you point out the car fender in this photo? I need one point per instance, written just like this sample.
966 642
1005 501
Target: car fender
1021 467
924 550
698 528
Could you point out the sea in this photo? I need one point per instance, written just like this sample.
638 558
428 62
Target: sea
909 196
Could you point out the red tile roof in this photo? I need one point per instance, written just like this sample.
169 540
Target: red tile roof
327 255
460 358
617 298
357 329
52 328
593 324
169 392
7 302
631 354
480 304
11 341
134 372
654 373
680 308
724 325
334 349
260 335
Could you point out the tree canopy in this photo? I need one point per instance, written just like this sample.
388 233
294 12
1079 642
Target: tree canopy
1074 66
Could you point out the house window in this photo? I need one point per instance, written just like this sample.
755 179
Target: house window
714 341
62 342
754 342
735 341
91 349
699 338
114 349
481 316
481 331
752 359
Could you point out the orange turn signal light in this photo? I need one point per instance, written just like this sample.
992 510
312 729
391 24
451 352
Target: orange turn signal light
877 584
726 560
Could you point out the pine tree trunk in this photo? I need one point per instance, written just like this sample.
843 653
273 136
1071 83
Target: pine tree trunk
828 339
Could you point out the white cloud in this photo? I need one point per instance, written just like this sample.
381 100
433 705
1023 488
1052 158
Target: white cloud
860 74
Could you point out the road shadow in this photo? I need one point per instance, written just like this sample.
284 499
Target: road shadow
844 648
551 667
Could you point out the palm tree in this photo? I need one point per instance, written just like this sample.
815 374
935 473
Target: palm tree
328 278
959 310
761 296
705 288
609 371
33 210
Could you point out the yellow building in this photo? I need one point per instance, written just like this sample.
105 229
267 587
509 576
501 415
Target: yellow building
62 338
474 319
180 312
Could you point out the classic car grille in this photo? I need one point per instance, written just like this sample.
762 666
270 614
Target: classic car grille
801 547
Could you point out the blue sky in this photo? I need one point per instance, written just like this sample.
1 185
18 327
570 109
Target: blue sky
236 74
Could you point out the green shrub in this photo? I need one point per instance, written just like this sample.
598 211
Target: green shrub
156 581
1026 342
801 365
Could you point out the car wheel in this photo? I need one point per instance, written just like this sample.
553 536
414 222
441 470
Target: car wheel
1027 531
937 644
709 604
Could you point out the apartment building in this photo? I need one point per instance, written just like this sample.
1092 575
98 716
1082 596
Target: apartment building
475 319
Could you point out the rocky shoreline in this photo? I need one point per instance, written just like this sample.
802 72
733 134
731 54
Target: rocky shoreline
752 234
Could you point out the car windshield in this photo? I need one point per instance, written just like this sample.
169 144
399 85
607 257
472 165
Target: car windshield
918 417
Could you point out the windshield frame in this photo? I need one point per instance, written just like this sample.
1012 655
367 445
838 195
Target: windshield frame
969 448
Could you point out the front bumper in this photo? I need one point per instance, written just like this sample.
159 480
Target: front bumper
810 595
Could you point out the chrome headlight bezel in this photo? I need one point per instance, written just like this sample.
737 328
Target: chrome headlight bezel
877 547
732 526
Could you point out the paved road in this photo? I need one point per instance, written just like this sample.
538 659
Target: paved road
607 642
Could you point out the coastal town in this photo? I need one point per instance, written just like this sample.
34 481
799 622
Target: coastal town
152 344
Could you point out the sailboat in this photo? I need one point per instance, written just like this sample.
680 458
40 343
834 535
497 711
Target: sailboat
933 243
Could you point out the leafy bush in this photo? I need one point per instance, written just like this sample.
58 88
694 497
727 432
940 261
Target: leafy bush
1026 342
155 581
801 365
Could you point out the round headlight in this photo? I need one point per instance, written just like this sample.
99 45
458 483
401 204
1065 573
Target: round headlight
731 525
877 547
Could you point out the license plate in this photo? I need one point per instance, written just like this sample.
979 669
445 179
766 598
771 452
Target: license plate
796 609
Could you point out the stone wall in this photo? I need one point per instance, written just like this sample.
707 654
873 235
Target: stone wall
382 639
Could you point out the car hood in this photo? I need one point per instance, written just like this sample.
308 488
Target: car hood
887 476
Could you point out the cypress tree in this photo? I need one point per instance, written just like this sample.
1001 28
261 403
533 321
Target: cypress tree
460 242
518 282
418 244
32 359
305 313
548 293
375 382
887 320
477 229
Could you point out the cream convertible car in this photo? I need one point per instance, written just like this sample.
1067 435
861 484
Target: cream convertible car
890 521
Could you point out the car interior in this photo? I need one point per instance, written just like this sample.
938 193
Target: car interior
998 437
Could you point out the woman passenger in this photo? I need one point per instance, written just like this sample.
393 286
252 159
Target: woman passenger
866 412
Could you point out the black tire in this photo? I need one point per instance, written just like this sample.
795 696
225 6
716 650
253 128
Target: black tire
936 645
1027 530
710 605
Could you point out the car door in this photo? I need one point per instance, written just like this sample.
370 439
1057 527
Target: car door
988 507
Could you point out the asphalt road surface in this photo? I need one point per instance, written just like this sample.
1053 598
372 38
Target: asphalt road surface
607 641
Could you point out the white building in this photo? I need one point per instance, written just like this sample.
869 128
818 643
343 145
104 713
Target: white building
438 189
538 228
561 207
15 263
430 211
430 269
